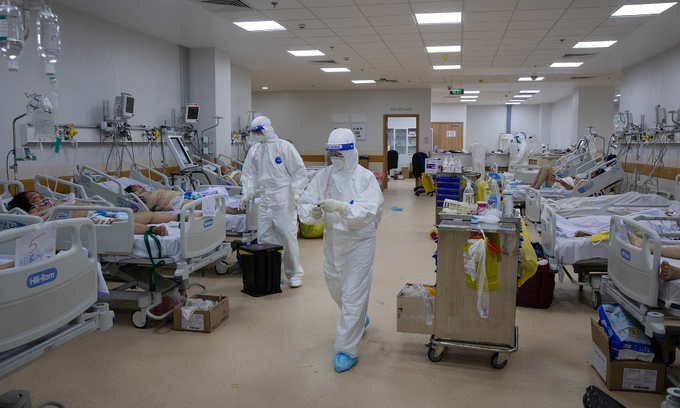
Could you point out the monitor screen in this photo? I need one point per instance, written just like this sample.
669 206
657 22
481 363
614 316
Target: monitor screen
128 106
581 143
181 149
192 113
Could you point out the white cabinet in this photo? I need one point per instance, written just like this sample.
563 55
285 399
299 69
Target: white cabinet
403 140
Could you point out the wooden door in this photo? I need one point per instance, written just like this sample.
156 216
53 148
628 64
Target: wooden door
448 135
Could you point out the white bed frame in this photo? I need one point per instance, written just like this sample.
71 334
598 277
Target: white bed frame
201 240
574 163
676 191
38 318
118 198
595 185
7 195
523 172
212 177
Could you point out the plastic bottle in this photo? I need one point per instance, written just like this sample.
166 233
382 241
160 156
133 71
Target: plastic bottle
11 34
49 40
507 202
435 148
469 194
494 199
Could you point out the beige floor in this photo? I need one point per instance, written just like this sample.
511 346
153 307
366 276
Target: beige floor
278 350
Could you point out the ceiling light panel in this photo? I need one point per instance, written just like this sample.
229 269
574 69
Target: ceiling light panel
512 103
260 25
335 69
438 18
442 67
306 53
516 100
529 92
594 44
445 48
522 96
632 10
566 64
363 81
530 79
470 92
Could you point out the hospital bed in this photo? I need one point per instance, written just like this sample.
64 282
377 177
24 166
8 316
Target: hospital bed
676 191
524 173
209 173
43 305
9 189
588 258
595 184
190 246
633 280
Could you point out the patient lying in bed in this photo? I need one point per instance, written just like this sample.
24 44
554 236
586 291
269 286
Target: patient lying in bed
169 200
227 172
37 204
667 271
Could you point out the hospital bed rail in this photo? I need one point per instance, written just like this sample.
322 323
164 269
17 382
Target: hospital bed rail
219 160
43 304
7 187
212 177
524 172
136 172
595 184
676 190
90 178
568 164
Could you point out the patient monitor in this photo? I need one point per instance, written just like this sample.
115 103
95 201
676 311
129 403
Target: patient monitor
191 113
180 152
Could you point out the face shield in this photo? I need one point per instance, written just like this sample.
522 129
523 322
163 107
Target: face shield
257 133
335 153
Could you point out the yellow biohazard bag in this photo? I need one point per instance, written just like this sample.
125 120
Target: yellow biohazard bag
482 190
528 258
311 231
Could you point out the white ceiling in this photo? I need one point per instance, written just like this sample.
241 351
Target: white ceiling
501 40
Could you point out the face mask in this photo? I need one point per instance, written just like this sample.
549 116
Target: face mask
259 137
338 162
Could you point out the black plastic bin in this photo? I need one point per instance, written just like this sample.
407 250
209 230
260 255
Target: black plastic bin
261 265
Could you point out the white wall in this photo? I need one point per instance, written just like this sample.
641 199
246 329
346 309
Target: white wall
223 103
527 119
561 123
98 61
401 122
201 68
596 109
545 117
486 123
306 118
653 82
241 96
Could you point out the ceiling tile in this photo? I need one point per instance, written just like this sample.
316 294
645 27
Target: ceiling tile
489 5
324 40
309 24
391 20
524 15
598 3
289 14
326 3
543 4
602 37
613 30
493 26
336 12
324 32
474 35
526 33
526 41
406 29
489 53
481 41
588 23
243 16
346 22
532 25
404 44
564 32
374 51
367 2
386 10
487 16
360 39
513 53
266 36
448 37
480 48
369 46
265 5
354 31
506 64
589 12
437 7
628 21
401 37
287 42
516 47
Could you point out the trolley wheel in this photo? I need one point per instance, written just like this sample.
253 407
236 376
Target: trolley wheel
598 299
418 193
139 319
496 364
431 354
671 358
431 194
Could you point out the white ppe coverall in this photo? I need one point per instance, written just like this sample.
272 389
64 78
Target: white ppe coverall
349 239
518 150
479 152
276 168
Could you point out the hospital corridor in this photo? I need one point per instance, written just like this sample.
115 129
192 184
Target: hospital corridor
370 203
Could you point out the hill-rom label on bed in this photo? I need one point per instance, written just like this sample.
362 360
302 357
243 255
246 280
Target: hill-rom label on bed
625 254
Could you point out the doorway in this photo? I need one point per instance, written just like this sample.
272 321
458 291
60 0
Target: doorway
400 133
447 135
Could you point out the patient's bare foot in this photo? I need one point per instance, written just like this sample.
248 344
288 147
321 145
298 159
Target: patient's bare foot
668 272
580 233
160 230
634 239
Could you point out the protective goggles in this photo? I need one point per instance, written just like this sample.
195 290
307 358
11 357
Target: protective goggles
335 154
336 147
256 128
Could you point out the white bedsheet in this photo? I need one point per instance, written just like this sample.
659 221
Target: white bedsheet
571 250
520 193
595 224
127 181
583 206
170 246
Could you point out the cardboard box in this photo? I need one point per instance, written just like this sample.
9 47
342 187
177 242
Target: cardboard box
410 170
411 314
400 176
624 375
203 320
404 172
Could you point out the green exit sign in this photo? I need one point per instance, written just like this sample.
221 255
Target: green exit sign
456 91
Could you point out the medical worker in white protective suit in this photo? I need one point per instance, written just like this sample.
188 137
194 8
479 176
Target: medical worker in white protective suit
518 149
479 152
276 168
347 199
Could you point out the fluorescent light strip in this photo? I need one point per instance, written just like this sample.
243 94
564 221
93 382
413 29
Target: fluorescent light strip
522 96
468 100
363 81
566 64
529 92
468 97
306 53
470 92
260 26
447 48
512 103
335 70
618 95
529 79
517 100
265 87
438 18
594 44
633 10
446 67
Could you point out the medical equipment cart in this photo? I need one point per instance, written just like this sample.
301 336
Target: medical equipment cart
457 322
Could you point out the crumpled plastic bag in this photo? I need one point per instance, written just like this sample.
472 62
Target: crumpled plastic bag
416 290
191 305
478 265
168 303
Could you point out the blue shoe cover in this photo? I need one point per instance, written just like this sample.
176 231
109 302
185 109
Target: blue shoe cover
367 321
343 362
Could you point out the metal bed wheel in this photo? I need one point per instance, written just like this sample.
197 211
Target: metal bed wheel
432 355
597 300
220 268
139 319
496 364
